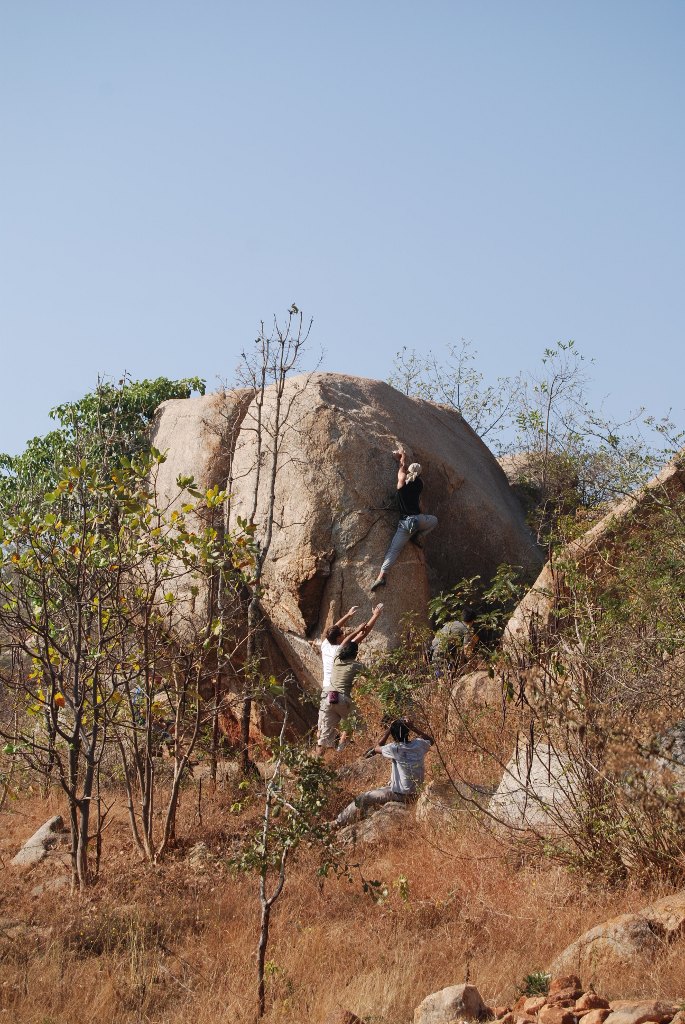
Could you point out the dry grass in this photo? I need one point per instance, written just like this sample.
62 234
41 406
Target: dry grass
168 945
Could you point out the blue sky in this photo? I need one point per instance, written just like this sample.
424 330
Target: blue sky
409 174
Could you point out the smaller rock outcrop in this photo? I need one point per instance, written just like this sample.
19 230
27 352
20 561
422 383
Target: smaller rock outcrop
449 1004
377 826
623 938
40 843
535 612
538 790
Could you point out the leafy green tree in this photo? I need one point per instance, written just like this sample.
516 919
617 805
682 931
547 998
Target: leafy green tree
171 640
110 422
92 610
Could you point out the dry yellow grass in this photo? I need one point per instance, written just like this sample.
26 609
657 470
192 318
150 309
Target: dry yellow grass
169 945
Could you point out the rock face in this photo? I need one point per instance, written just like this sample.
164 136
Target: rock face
537 791
623 938
449 1004
334 483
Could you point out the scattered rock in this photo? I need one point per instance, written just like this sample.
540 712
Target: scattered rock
590 1001
17 937
556 1015
376 826
499 1012
36 848
199 856
534 1003
563 982
61 883
565 996
594 1016
621 939
640 1011
444 1006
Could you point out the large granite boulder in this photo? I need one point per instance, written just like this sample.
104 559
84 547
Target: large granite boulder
39 845
333 489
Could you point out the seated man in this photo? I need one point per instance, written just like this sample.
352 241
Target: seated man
407 771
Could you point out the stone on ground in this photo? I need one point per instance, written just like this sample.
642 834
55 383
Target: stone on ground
622 939
36 848
641 1011
377 826
449 1003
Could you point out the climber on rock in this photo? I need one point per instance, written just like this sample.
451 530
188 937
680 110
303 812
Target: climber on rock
336 705
407 772
414 524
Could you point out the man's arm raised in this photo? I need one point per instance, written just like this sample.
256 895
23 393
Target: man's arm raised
401 456
364 630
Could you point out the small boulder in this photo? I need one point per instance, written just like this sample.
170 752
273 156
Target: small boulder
440 802
36 848
199 856
593 1016
624 938
473 690
639 1011
565 996
449 1003
556 1015
590 1001
377 826
564 982
533 1004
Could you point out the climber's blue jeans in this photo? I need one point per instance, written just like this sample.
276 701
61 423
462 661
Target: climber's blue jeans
407 528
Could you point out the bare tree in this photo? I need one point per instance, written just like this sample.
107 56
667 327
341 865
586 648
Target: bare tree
278 354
